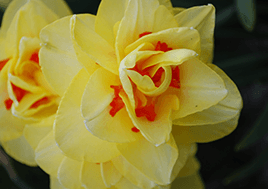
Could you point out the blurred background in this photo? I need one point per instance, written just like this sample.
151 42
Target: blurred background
241 50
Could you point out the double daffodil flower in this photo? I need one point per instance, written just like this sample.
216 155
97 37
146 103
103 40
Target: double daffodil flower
28 103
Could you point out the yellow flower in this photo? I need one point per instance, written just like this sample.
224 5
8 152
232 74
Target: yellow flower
143 89
28 103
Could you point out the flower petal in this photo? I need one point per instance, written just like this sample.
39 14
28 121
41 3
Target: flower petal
95 109
55 184
201 18
48 155
154 162
201 88
57 55
132 173
110 174
109 13
226 109
71 135
194 182
175 38
167 4
97 48
20 150
124 183
60 7
69 173
91 176
192 166
204 133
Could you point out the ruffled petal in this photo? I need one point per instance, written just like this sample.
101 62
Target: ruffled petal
57 55
60 7
201 88
48 155
20 150
97 48
96 110
204 133
194 182
110 174
201 18
55 184
71 134
154 162
124 183
225 110
191 167
167 4
69 173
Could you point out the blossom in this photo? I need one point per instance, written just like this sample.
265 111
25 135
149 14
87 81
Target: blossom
28 103
143 91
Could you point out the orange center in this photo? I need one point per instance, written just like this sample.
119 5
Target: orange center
3 63
35 57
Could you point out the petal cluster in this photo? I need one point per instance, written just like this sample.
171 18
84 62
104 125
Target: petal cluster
28 103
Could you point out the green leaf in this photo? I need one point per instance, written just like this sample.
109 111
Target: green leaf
247 13
257 132
249 169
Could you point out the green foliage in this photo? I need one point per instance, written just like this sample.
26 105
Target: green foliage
247 13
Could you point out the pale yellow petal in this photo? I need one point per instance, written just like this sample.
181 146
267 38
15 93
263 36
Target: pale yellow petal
48 155
55 184
204 133
34 135
200 88
177 10
57 56
225 110
192 166
154 162
20 150
28 22
175 38
109 13
69 173
194 182
167 4
132 173
201 18
163 19
95 109
124 183
71 135
60 7
110 174
138 18
91 176
97 48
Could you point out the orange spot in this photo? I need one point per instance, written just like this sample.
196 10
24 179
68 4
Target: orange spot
3 63
142 72
157 77
175 82
35 57
146 111
162 47
135 130
8 103
144 33
42 101
19 93
117 103
97 163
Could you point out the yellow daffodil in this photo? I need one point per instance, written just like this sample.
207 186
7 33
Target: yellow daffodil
142 91
28 103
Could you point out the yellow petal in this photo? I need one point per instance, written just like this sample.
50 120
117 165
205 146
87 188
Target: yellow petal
20 150
69 173
57 56
94 45
138 18
109 13
124 183
95 109
225 110
158 131
28 22
55 184
167 4
131 173
204 133
48 155
71 135
192 166
201 88
34 135
110 174
60 7
91 176
163 19
175 38
194 182
177 10
154 162
201 18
